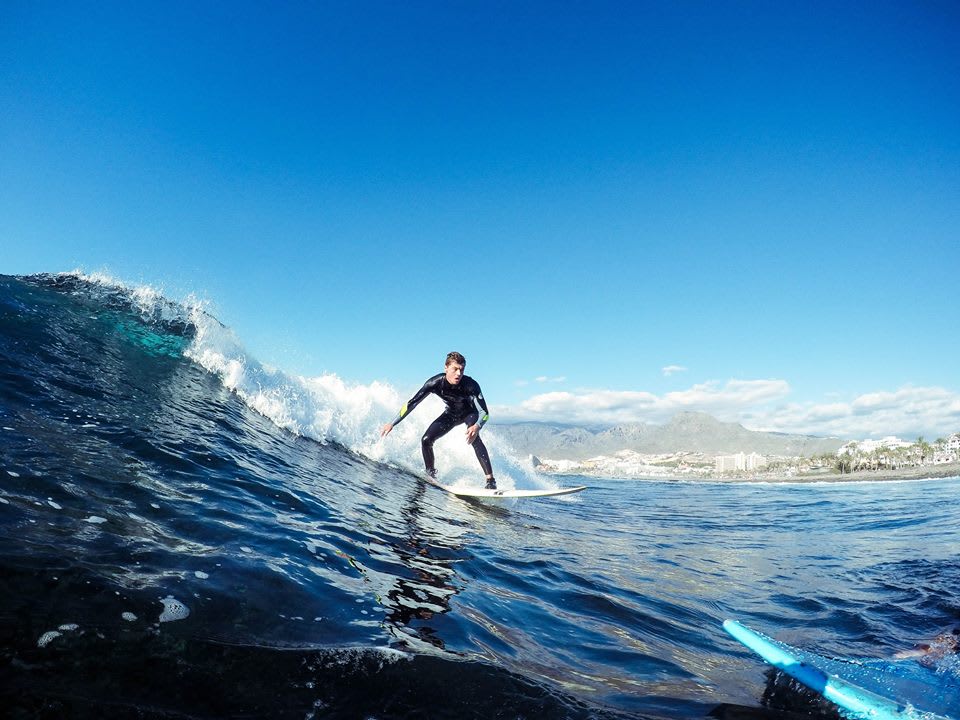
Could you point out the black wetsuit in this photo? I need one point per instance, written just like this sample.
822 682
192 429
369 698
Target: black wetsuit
461 400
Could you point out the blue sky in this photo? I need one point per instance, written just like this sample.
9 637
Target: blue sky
615 210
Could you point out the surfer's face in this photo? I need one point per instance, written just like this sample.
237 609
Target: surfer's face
453 372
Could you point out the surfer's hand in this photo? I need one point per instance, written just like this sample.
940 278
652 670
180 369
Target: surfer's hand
385 430
472 433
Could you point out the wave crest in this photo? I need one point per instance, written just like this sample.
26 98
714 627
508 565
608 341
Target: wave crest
324 408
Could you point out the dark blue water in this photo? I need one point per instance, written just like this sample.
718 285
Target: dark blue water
297 578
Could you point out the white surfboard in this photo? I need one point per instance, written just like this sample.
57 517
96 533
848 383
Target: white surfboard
496 494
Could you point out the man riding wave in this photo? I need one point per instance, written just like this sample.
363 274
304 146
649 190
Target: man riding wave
464 403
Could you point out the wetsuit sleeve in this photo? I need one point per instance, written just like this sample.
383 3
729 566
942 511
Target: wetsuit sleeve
428 387
483 406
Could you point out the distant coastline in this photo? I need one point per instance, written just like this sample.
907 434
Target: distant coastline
920 472
917 472
696 446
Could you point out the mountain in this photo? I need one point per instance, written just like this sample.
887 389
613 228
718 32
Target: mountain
686 432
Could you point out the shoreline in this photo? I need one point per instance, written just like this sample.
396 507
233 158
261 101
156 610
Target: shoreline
925 472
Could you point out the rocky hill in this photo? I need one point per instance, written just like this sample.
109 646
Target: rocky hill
686 432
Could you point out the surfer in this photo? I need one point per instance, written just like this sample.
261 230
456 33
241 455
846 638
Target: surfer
461 394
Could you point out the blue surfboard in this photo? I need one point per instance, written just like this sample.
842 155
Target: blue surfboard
862 703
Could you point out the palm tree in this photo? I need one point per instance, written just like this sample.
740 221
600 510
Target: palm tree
883 457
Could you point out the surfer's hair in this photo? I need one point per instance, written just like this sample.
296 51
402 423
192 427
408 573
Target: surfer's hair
455 357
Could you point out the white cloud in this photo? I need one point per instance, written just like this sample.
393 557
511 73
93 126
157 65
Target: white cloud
908 412
673 370
735 395
594 407
540 379
759 405
627 406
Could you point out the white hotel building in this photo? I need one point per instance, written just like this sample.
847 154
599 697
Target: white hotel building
740 462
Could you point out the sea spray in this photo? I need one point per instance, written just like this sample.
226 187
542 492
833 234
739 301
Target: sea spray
326 408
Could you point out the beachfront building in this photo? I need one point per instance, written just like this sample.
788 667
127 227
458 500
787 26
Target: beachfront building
868 446
741 462
947 451
726 463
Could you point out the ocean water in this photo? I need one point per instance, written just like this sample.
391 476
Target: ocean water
187 533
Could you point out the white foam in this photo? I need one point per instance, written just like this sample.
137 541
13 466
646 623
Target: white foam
324 408
149 301
47 638
173 609
327 408
129 616
95 519
200 574
354 656
54 505
11 473
69 627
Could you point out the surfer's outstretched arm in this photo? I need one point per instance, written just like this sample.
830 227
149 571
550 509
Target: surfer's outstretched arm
428 387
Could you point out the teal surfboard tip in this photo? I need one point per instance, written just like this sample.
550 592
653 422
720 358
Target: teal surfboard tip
843 693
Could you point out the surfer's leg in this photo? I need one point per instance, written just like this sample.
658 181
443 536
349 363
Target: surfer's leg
481 450
438 428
